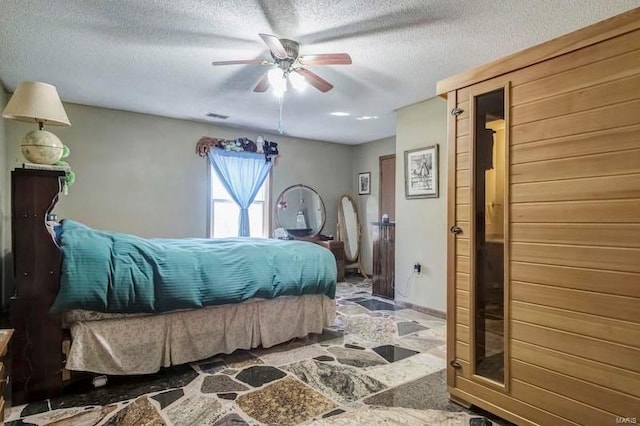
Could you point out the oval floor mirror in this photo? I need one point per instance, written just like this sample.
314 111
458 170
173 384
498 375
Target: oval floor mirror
349 231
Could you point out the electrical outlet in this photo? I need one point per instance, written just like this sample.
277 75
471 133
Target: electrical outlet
417 268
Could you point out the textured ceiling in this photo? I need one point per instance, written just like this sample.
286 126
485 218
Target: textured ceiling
154 56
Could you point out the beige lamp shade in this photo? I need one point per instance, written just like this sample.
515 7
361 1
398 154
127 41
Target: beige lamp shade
36 102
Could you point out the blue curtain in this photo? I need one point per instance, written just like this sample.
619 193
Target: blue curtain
242 174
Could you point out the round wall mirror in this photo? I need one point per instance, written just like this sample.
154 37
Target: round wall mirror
300 211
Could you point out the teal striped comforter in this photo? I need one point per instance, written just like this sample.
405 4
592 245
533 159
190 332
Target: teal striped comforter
113 272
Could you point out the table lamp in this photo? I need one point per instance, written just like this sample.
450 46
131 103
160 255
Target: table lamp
35 102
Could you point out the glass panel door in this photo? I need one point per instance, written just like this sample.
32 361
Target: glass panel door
489 176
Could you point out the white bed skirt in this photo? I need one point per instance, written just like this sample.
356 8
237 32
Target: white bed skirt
144 344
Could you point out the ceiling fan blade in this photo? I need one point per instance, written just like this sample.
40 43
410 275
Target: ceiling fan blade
263 84
275 46
242 62
315 80
326 59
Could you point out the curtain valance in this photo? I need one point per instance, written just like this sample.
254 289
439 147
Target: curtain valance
207 144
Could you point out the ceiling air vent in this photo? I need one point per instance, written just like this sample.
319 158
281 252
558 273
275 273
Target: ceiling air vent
219 116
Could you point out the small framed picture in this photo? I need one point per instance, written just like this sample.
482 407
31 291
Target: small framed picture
364 183
421 172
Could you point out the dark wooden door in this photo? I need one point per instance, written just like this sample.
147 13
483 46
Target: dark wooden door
384 260
387 186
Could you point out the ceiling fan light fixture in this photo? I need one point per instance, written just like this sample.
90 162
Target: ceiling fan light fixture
279 92
278 81
298 82
290 66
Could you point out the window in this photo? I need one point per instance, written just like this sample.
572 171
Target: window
225 211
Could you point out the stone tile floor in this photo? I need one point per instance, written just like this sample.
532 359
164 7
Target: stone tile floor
378 364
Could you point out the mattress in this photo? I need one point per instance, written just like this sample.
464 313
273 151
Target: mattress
124 344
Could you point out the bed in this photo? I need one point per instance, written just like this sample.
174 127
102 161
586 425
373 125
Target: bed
120 344
258 293
134 305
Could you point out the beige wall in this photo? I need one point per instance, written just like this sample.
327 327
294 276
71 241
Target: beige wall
421 224
139 173
5 224
366 158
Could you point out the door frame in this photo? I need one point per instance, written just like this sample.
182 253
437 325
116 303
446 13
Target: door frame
380 159
452 120
452 134
474 92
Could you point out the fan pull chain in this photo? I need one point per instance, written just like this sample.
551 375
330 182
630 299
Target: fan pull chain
281 102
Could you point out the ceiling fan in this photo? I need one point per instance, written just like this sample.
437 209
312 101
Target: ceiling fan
289 66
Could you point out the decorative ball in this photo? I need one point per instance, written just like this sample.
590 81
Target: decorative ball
65 151
41 147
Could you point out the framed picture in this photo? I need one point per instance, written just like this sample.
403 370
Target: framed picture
364 183
421 172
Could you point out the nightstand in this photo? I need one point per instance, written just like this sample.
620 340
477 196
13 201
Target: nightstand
337 248
5 387
334 246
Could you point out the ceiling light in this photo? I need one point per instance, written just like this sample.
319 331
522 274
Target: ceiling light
275 76
278 81
297 81
340 114
367 117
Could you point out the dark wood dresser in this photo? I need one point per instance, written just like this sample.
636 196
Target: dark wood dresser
36 347
384 236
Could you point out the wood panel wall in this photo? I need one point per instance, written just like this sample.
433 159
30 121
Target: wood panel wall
575 239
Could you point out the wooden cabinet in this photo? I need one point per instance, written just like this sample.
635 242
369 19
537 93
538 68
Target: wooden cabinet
543 295
384 236
37 341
